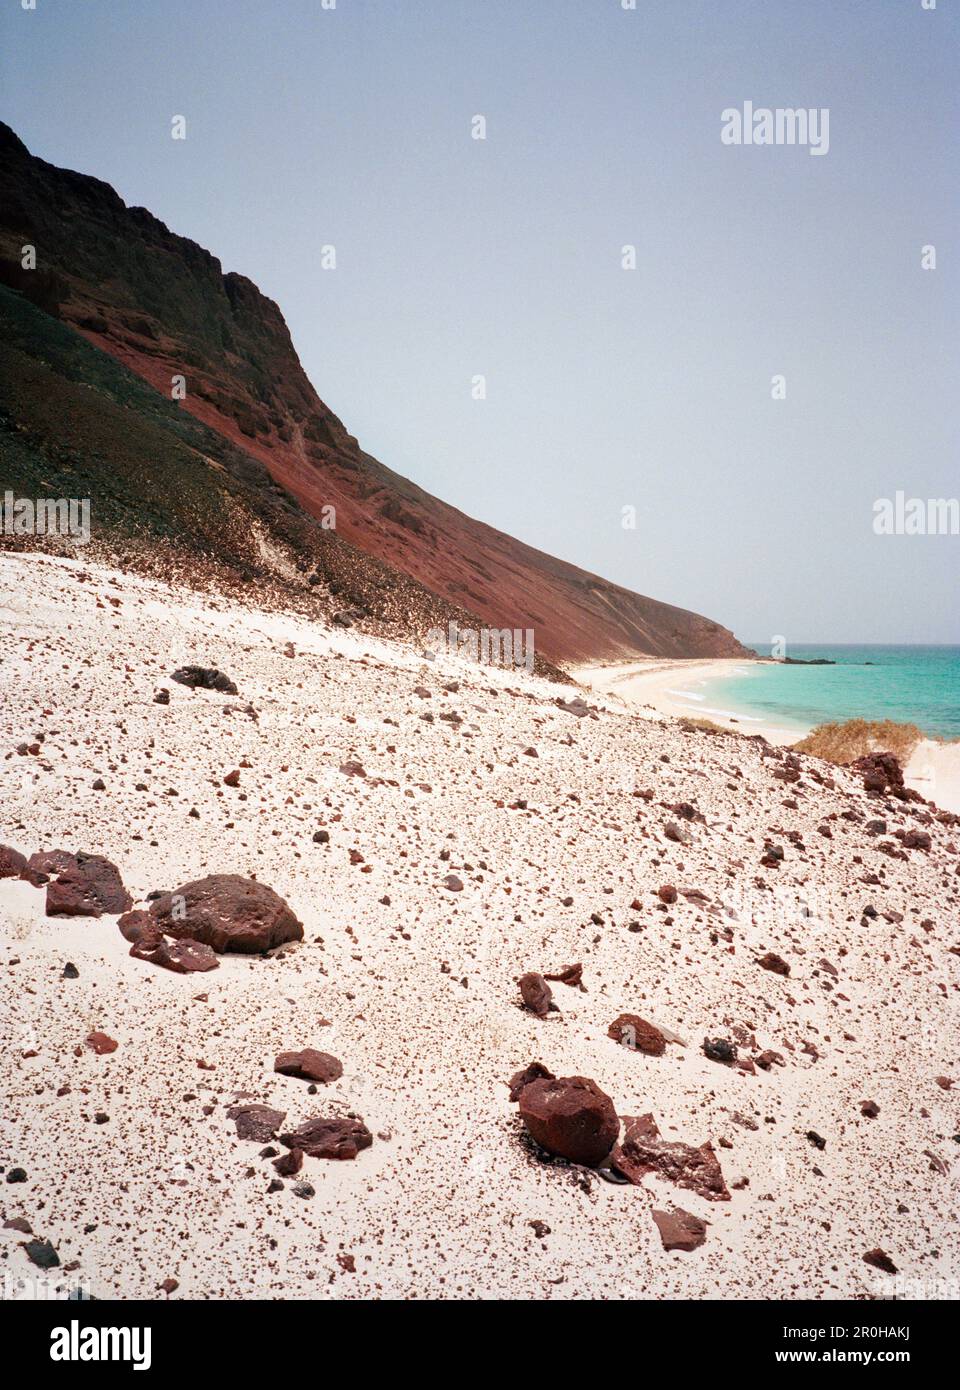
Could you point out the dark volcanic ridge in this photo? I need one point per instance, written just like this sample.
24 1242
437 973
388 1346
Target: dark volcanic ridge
231 483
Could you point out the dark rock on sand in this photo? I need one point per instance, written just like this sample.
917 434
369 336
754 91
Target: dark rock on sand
257 1122
536 994
183 956
695 1168
88 887
720 1050
880 1260
570 1116
771 961
329 1137
309 1065
204 678
679 1229
637 1035
101 1043
227 913
569 975
12 862
42 1254
536 1071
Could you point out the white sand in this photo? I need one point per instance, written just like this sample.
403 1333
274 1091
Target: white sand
676 688
418 997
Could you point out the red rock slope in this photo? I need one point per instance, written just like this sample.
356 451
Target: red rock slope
161 305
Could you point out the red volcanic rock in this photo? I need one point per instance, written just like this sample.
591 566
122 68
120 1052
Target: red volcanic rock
137 924
536 994
667 894
100 1043
183 956
536 1071
697 1169
149 298
637 1035
569 975
332 1137
259 1122
679 1229
881 772
12 862
771 961
227 913
880 1260
570 1116
309 1065
90 887
46 864
290 1163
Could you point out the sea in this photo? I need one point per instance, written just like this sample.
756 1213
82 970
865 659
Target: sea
912 685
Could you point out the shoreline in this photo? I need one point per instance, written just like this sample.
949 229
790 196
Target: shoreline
668 686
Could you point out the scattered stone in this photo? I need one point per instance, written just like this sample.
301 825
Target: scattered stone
12 862
569 975
870 1109
42 1254
101 1044
667 894
183 957
88 887
880 1260
161 696
332 1137
771 961
204 678
257 1122
536 1071
643 1152
289 1164
309 1065
720 1050
679 1229
536 994
637 1035
570 1116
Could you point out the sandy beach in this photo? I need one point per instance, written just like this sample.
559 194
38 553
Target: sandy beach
658 686
491 830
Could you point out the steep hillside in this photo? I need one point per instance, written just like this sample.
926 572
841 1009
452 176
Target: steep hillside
161 305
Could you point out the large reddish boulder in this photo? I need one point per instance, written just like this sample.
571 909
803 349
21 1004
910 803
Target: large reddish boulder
227 913
329 1137
570 1116
12 862
88 887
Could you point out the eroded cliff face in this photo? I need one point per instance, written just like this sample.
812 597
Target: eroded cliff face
162 306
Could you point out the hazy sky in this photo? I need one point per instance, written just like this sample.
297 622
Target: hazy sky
455 257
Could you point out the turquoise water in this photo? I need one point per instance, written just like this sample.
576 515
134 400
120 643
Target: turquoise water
916 685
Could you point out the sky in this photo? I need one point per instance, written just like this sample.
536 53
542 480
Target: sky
456 258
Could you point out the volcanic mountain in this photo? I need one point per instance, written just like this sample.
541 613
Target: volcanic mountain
241 469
